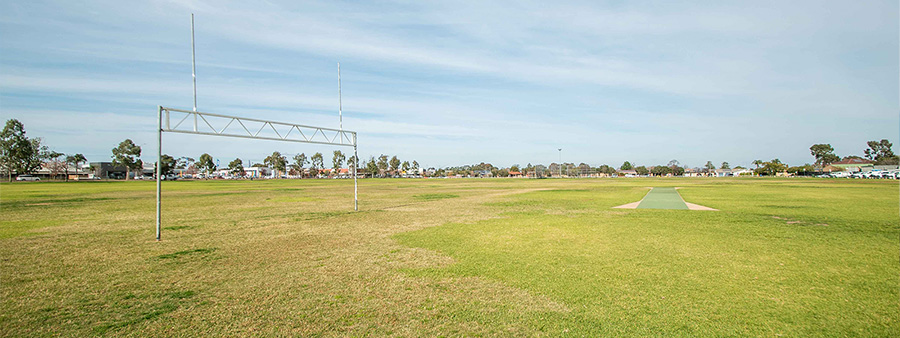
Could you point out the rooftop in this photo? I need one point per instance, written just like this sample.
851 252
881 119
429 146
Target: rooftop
853 161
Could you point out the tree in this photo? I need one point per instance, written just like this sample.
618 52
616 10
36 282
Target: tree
299 162
709 166
277 162
677 171
186 163
803 169
317 163
661 170
382 164
337 161
236 167
404 166
606 169
395 164
757 163
626 166
824 154
18 153
641 170
513 168
725 165
371 166
772 167
584 169
76 160
415 166
352 162
168 163
189 164
56 164
880 152
206 164
127 155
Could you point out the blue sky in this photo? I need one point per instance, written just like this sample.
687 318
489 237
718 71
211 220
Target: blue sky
449 83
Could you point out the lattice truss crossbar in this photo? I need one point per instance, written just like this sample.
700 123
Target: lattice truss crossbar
191 122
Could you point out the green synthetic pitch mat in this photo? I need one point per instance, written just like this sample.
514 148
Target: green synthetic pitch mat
662 198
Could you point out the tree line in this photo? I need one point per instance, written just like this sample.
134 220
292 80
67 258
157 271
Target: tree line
22 155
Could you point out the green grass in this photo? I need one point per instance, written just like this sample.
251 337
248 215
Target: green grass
662 198
434 197
514 257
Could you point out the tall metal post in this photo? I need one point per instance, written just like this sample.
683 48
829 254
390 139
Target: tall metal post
158 175
194 69
355 186
560 163
340 104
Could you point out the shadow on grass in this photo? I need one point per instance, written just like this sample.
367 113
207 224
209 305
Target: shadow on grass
170 302
174 255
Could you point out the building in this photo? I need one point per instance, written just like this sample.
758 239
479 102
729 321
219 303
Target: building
730 172
107 170
854 164
628 173
831 168
692 172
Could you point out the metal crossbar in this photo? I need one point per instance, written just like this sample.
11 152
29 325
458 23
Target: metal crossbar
337 137
316 135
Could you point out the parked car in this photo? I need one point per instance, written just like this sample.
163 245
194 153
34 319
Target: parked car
876 174
840 174
27 178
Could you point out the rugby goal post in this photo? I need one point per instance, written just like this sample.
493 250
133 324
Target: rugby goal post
232 126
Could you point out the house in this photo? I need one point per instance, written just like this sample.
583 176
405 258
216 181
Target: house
831 168
692 172
854 164
628 173
721 172
515 174
741 172
482 173
59 170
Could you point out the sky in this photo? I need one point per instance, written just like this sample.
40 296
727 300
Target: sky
463 82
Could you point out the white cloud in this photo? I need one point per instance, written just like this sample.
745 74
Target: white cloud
471 79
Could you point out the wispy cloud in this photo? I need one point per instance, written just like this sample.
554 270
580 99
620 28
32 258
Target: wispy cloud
471 80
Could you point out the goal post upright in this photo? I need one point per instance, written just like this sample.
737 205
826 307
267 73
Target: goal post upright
355 185
159 173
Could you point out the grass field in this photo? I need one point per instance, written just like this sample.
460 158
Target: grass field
465 257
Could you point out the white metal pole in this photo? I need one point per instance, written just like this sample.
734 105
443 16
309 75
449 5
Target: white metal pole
340 104
355 185
194 69
158 175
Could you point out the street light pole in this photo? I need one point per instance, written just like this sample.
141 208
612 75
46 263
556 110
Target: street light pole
560 163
